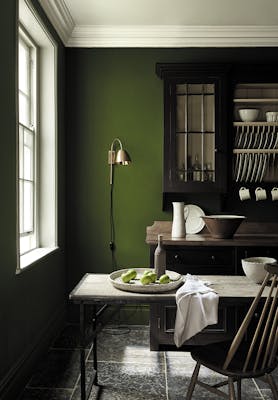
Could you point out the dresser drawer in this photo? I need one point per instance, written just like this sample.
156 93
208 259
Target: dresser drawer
206 261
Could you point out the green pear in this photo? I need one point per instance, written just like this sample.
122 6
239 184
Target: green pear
164 279
152 275
129 275
146 279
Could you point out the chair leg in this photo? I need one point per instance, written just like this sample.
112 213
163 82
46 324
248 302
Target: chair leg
272 385
193 381
239 389
232 394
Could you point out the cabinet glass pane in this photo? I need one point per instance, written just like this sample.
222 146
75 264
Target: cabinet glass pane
195 132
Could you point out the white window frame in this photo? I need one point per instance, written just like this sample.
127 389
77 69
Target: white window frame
45 127
31 128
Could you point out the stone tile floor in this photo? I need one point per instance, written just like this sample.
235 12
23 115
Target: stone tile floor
128 370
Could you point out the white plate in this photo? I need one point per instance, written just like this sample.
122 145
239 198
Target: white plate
136 286
260 156
239 167
244 168
193 221
250 165
256 158
263 167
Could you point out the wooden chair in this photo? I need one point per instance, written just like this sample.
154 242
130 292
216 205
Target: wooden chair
243 358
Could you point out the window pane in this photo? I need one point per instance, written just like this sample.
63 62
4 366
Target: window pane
28 155
28 206
23 70
24 109
21 207
25 244
20 151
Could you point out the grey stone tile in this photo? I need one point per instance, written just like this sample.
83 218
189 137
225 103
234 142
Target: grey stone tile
46 394
59 369
267 394
117 390
68 338
264 385
178 378
132 380
126 346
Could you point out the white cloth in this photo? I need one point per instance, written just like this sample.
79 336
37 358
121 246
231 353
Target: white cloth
197 307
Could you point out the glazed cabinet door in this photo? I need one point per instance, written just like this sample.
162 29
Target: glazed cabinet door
195 124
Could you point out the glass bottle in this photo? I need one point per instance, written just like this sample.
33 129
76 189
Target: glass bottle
159 258
196 169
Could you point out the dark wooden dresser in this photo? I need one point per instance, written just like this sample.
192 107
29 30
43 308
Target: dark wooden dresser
200 254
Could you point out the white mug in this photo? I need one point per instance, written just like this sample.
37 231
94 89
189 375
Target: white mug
244 194
274 193
260 194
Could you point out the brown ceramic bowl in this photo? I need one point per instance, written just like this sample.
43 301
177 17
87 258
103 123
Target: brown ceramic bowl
222 226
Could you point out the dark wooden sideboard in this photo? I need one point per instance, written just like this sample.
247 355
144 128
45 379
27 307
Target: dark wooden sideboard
200 254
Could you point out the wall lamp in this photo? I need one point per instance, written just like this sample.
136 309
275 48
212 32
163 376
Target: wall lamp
120 157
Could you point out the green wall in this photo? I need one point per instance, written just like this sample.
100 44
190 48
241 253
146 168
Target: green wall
116 93
33 302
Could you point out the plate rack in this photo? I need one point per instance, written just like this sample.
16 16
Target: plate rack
255 151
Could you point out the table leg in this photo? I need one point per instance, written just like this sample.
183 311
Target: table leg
82 351
95 343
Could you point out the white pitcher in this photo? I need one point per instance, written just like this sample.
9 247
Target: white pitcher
178 226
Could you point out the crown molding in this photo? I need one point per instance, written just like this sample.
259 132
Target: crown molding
60 17
173 36
155 35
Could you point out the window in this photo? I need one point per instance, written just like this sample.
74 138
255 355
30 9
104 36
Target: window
37 143
27 111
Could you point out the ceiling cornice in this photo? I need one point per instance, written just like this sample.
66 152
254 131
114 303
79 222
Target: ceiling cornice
155 35
60 17
173 36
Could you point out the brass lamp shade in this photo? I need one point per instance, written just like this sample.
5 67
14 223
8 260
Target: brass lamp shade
122 157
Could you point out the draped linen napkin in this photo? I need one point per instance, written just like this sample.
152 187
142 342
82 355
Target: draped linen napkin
197 307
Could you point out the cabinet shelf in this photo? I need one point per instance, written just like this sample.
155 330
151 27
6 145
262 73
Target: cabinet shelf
255 151
255 123
262 100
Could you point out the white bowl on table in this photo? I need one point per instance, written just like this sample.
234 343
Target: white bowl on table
248 114
253 267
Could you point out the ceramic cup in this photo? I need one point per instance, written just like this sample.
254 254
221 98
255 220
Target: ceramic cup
260 194
274 193
244 194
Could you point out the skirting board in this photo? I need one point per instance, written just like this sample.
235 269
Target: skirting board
16 378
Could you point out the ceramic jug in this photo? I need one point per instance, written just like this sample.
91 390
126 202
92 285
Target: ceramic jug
178 226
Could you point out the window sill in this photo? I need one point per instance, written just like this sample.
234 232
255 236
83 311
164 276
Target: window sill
28 259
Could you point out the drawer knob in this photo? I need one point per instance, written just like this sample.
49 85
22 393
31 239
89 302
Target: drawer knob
213 258
177 257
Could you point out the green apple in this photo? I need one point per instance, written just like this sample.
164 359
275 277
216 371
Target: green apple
164 279
129 275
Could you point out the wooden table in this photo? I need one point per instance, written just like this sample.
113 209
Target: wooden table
98 291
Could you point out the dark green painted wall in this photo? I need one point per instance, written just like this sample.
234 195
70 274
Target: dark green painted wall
109 93
32 303
115 93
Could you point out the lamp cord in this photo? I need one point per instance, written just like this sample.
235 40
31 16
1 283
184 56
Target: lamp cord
112 231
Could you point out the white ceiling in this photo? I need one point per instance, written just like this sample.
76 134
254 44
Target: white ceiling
164 23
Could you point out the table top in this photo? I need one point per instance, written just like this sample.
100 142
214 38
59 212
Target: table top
97 288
